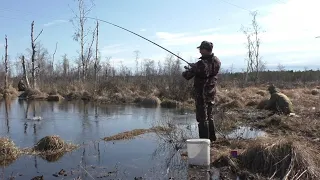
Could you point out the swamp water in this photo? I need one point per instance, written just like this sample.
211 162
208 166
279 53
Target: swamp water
148 156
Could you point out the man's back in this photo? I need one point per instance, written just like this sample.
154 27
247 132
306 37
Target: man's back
205 73
207 70
281 102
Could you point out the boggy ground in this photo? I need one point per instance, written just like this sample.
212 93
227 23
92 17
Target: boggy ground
290 150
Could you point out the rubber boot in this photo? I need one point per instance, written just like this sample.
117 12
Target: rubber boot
212 131
203 130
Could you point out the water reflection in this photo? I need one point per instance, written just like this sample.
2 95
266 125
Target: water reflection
244 132
6 163
85 123
7 104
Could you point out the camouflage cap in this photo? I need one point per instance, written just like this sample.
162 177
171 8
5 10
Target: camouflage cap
272 88
206 45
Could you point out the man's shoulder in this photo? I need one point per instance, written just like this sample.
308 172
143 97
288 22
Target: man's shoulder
216 59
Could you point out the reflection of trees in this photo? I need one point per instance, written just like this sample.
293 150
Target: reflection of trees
52 157
7 103
170 156
7 162
171 145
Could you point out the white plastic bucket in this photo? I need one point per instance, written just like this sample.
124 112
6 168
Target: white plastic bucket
198 152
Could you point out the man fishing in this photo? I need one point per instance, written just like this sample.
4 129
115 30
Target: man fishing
205 78
205 73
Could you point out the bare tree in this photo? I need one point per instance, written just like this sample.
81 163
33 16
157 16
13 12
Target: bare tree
231 68
89 55
96 59
53 55
137 55
65 64
33 60
25 71
6 63
281 67
80 33
254 61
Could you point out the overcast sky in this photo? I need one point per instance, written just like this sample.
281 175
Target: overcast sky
290 28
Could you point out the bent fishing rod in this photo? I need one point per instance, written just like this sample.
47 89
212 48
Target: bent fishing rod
140 37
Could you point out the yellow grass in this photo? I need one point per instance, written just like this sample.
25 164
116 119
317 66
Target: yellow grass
134 133
8 151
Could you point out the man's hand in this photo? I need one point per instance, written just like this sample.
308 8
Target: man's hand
192 66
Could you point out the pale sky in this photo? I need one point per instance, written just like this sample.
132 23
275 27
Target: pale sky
290 29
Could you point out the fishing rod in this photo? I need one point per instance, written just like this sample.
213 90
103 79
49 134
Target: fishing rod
140 37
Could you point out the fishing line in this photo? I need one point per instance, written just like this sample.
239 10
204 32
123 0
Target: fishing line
140 37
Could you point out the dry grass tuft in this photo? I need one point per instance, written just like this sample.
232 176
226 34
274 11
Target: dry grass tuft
150 101
136 132
285 159
51 145
56 97
53 91
11 92
167 103
252 103
9 151
86 96
33 94
262 93
315 92
74 95
288 158
222 99
138 100
262 104
233 105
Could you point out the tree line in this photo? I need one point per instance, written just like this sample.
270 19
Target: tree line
40 69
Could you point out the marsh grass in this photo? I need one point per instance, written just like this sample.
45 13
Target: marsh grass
9 152
285 158
127 135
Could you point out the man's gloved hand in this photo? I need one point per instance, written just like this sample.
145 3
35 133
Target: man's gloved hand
191 68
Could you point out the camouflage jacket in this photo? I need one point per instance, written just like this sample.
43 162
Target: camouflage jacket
279 102
205 73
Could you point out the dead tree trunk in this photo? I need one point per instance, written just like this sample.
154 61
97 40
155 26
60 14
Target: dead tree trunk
25 72
96 60
254 63
33 46
89 55
6 63
54 53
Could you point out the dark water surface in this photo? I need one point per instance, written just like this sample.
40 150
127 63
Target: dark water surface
82 123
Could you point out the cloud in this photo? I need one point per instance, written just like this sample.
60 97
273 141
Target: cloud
178 39
284 17
168 36
112 49
286 32
55 22
143 30
210 30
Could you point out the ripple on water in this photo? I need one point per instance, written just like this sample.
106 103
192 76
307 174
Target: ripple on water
245 132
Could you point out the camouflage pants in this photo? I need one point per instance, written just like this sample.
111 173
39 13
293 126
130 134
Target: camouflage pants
204 100
204 117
